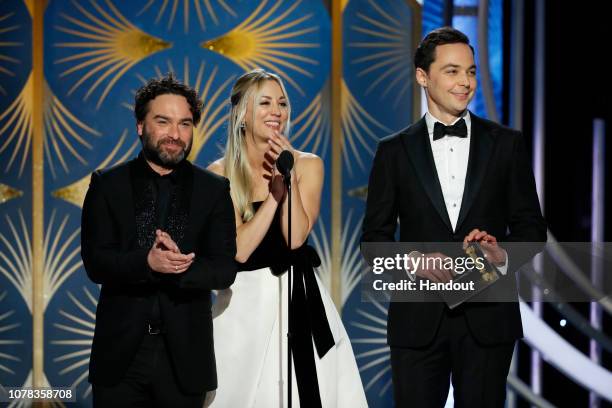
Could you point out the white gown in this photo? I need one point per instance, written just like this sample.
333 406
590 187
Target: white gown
250 333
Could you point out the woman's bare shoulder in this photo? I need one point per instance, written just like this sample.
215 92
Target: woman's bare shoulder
308 163
308 159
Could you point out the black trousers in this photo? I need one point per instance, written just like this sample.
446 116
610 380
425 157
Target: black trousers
148 382
421 376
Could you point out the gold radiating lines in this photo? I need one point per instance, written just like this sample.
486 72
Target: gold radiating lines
6 326
261 41
376 324
320 242
173 5
79 327
17 118
357 130
75 193
113 45
61 254
8 193
352 265
313 126
16 257
60 131
215 112
7 63
389 52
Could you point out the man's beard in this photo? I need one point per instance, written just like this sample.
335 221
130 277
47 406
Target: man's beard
161 157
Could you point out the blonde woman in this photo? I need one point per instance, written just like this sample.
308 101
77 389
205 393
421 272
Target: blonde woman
250 318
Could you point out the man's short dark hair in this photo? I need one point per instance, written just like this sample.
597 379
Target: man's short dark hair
425 53
163 86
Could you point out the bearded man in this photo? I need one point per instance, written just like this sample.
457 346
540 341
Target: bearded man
158 234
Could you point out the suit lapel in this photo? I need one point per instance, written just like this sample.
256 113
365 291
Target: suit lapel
418 148
481 147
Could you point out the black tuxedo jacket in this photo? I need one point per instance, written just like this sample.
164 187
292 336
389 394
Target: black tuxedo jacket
113 257
499 197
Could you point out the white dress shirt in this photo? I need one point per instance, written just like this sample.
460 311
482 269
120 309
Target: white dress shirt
451 156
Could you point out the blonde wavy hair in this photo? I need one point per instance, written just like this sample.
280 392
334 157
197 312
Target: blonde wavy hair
236 163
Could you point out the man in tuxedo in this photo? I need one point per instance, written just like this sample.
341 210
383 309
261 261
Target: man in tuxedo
452 177
158 233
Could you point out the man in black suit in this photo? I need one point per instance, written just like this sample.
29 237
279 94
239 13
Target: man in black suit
452 177
158 233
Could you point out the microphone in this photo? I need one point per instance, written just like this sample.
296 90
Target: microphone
284 163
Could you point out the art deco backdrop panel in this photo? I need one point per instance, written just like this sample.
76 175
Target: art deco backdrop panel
378 93
15 192
98 52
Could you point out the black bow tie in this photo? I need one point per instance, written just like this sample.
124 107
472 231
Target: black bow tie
459 129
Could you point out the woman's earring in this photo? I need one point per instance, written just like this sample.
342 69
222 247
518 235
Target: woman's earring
242 126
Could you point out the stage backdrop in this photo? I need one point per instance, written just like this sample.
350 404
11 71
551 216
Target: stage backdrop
68 74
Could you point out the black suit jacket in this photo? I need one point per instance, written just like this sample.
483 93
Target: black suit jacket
499 197
113 258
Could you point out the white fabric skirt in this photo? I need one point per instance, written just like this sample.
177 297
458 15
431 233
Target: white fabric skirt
250 332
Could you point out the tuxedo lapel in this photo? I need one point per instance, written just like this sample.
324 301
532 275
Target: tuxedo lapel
418 148
481 147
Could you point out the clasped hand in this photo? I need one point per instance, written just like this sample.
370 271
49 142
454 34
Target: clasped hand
492 252
277 143
166 257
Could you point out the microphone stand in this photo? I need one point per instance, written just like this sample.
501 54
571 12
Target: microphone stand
284 163
287 180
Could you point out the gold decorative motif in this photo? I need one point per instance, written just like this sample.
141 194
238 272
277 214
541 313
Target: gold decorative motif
7 63
6 356
60 261
214 112
357 130
60 132
61 255
79 327
315 120
8 193
18 118
113 44
208 4
16 257
389 52
59 125
30 5
75 193
352 266
358 192
321 244
260 41
375 325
